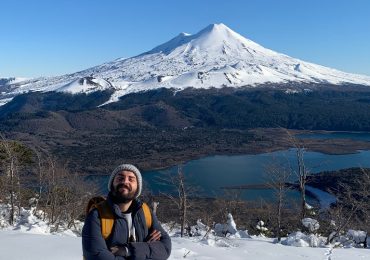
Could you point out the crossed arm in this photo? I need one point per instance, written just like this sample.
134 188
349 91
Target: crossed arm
125 251
156 246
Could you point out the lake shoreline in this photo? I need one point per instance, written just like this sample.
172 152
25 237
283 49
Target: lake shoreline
321 197
268 140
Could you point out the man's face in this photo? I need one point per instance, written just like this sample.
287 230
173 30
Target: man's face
125 186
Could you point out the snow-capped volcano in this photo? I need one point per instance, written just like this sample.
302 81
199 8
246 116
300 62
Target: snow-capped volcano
214 57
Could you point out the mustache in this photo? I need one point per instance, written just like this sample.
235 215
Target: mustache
123 186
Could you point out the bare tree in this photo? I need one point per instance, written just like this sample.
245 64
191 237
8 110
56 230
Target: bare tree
301 170
352 207
278 177
233 200
10 163
62 195
74 197
183 190
13 156
40 179
302 178
183 199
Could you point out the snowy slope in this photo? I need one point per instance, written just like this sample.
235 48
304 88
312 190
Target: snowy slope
214 57
85 85
17 245
30 239
9 81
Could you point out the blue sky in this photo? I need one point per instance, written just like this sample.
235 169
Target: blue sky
44 37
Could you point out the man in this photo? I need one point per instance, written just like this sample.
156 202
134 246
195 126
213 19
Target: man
130 237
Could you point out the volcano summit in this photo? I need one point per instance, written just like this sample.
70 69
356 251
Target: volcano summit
215 57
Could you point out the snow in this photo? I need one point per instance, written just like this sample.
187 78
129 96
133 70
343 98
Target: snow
299 239
228 228
249 248
357 236
261 226
291 91
215 57
10 80
85 85
325 199
311 224
5 100
22 245
31 239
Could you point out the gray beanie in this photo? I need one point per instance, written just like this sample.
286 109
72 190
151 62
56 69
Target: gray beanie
131 168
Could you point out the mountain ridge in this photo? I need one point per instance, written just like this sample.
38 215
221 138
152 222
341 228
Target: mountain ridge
215 57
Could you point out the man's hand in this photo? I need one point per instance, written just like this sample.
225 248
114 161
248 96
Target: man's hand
120 250
154 236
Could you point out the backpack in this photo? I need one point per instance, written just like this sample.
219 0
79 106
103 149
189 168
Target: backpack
107 217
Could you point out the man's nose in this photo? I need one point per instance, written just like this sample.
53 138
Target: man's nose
125 180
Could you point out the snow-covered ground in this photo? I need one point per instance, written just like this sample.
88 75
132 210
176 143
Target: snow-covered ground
19 245
30 239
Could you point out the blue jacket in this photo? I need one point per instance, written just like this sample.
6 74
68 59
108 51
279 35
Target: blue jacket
96 248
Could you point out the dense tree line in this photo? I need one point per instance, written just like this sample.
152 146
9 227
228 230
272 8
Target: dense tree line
322 109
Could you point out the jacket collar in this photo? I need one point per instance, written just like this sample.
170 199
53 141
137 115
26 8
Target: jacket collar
135 206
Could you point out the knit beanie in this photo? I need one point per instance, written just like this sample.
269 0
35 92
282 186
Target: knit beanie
131 168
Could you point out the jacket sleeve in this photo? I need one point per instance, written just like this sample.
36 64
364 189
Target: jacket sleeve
93 243
157 250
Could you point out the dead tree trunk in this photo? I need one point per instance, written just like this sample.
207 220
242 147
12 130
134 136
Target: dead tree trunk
352 206
302 175
11 172
183 202
11 190
301 171
278 176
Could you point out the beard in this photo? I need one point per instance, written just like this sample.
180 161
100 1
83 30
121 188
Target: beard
118 197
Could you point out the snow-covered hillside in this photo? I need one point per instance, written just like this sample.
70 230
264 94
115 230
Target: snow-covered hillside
17 245
214 57
26 244
9 81
30 238
85 85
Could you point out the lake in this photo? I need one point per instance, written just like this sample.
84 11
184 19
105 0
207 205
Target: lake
211 173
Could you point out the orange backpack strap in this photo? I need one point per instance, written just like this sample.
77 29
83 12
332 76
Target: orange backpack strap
106 218
148 215
92 203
